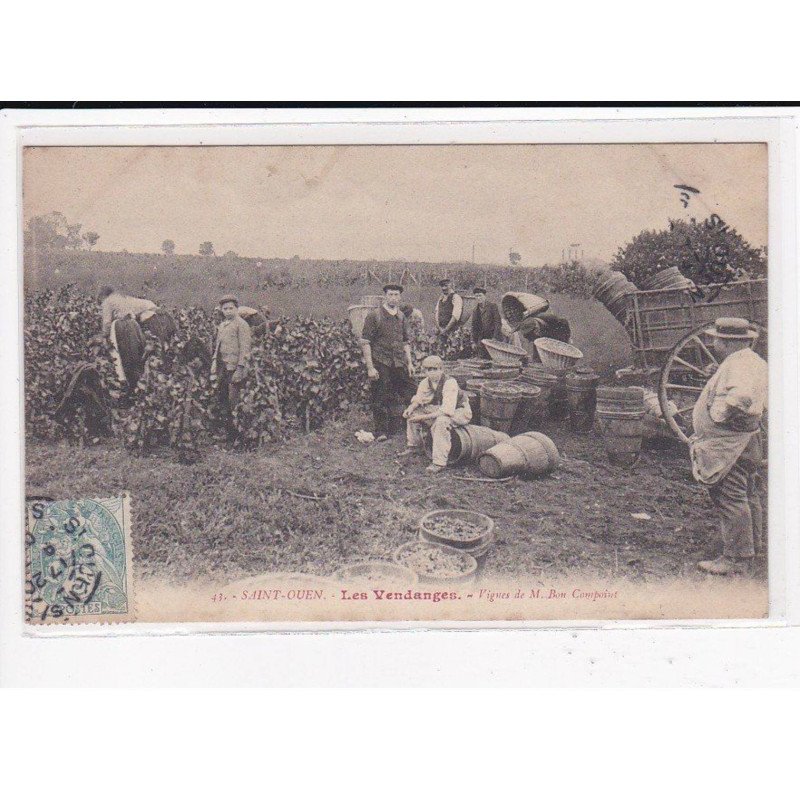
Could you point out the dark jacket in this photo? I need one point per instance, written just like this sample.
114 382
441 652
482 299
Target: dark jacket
486 323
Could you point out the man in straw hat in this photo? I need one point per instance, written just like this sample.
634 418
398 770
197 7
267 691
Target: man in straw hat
386 346
726 446
439 404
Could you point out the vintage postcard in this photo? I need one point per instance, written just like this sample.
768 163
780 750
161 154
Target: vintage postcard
395 383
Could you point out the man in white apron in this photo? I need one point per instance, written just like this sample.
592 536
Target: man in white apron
726 446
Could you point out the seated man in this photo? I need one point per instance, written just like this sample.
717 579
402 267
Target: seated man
439 405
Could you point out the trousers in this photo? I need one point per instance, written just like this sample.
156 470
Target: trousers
741 515
391 393
440 429
228 394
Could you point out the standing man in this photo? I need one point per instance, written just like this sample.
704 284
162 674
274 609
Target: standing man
449 308
230 361
486 322
439 405
386 345
726 446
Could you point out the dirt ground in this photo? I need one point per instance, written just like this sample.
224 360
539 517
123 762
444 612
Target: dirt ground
324 500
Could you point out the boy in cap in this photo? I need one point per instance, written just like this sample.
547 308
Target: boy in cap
230 360
486 322
385 343
726 446
439 404
449 308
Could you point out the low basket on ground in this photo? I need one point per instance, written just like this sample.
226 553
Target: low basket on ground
456 527
380 573
437 564
557 355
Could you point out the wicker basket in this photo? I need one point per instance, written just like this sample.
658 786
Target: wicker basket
505 354
557 355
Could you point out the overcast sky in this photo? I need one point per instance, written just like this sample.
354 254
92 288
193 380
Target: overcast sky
427 203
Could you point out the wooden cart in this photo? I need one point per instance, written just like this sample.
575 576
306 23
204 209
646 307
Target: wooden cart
667 327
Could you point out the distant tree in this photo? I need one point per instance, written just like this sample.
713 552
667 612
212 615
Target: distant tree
206 249
231 254
53 230
514 258
707 252
168 246
90 237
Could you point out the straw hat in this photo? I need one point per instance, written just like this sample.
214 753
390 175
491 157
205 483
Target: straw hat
731 328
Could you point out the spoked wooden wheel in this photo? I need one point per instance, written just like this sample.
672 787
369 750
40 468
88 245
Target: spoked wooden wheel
688 368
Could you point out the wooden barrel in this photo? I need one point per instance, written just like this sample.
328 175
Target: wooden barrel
474 398
668 278
531 410
469 442
461 376
525 455
581 388
500 373
622 433
613 399
612 291
499 403
358 316
548 445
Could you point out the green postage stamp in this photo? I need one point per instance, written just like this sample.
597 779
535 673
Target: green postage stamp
78 562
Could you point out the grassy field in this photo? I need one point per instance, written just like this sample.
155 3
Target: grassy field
234 515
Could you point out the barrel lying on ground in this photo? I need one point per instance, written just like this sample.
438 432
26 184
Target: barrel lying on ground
469 442
530 454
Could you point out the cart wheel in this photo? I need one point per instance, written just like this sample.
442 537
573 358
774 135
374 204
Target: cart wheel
687 369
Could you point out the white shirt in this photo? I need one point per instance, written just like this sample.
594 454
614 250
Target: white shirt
741 382
117 306
426 391
458 307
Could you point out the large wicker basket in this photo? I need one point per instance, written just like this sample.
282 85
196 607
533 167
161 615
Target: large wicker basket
557 355
505 354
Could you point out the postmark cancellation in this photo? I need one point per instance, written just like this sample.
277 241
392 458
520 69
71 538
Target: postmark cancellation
78 561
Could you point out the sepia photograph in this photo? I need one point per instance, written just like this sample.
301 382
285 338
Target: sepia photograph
395 383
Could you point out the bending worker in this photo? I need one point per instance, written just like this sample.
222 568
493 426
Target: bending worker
117 305
726 445
440 405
